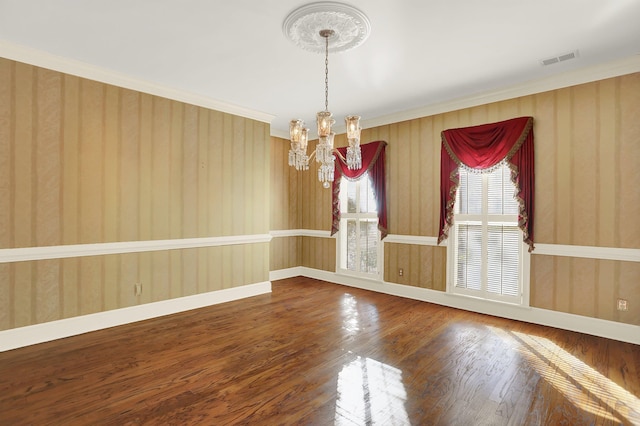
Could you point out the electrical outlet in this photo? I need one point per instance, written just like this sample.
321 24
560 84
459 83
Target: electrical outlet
623 305
400 272
137 289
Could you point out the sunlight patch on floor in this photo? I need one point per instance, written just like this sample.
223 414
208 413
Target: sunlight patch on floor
350 316
370 393
581 384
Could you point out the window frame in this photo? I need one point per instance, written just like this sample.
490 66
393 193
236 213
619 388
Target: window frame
486 219
341 236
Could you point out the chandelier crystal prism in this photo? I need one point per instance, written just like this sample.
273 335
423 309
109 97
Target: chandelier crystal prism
322 18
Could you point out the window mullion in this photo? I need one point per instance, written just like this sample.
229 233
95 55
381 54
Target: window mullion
485 235
358 248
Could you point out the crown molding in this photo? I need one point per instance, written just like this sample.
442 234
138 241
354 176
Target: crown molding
611 69
43 59
47 60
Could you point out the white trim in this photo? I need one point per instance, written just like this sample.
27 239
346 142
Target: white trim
80 250
413 239
348 280
590 252
611 69
45 332
43 59
358 217
301 233
282 274
581 324
282 134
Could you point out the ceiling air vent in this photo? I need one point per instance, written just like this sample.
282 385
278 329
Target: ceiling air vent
560 58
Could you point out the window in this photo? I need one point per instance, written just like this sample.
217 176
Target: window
486 254
359 248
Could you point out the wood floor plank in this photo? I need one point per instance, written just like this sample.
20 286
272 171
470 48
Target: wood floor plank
316 353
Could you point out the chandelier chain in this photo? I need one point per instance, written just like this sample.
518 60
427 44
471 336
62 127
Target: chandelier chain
326 73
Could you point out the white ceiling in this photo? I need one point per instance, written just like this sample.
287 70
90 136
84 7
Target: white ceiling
419 53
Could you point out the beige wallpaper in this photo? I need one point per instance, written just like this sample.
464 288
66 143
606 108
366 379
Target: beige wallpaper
587 179
284 209
85 162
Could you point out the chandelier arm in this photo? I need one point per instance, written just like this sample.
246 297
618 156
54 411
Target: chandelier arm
339 155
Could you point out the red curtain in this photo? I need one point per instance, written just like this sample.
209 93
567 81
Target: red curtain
373 160
480 148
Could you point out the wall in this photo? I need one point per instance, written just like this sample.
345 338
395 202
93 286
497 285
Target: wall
83 162
587 179
298 203
285 208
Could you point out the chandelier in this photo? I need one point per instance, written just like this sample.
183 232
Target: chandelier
307 26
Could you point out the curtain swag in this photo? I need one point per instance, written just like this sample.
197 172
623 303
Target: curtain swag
481 149
373 159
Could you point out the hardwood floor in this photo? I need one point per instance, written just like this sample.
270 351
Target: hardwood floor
322 354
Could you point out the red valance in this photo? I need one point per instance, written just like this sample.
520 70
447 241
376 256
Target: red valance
480 148
373 159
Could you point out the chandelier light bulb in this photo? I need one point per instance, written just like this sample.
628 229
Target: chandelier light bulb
325 121
295 129
304 139
353 126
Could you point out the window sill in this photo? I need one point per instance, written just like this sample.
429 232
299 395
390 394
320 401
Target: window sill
367 278
474 299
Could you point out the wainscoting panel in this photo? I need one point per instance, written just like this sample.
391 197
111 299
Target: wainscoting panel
588 287
53 289
422 266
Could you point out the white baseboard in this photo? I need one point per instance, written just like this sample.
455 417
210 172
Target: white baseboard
587 325
39 333
286 273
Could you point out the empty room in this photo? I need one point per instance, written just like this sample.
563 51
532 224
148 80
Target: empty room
319 213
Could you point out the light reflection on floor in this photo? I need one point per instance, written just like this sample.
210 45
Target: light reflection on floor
585 387
370 393
350 316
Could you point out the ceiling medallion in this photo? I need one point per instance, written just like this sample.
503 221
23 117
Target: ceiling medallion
351 27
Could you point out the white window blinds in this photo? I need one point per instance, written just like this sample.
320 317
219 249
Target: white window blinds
359 249
487 241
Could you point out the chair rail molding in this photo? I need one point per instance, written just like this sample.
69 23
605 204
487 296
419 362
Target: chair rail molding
80 250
